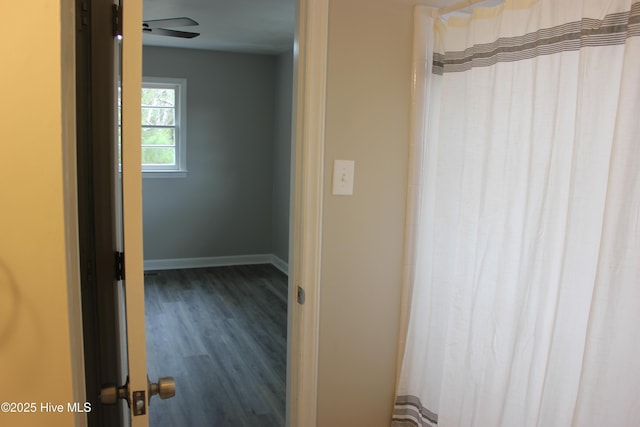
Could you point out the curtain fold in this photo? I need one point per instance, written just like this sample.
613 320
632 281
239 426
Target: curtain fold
523 259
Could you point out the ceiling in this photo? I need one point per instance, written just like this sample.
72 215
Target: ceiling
255 26
252 26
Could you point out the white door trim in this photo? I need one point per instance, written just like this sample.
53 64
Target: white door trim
309 93
68 88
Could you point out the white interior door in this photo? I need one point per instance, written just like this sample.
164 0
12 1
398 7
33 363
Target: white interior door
131 75
111 194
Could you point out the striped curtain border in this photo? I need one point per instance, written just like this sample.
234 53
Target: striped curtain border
614 29
409 412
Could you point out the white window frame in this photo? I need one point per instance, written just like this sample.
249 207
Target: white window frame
179 170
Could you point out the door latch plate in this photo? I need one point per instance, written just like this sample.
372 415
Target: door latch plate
139 403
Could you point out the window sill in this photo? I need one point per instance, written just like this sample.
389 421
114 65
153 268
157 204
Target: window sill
164 174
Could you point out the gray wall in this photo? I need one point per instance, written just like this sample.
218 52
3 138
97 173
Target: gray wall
282 156
225 205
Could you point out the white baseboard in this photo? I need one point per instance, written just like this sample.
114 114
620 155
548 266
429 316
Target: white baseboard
280 264
219 261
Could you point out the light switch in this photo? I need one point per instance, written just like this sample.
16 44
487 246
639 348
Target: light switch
343 171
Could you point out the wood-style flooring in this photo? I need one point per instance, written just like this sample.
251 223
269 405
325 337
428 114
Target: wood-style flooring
221 333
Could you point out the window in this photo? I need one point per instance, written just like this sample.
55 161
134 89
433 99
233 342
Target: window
163 126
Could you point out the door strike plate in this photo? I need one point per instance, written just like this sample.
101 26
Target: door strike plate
139 403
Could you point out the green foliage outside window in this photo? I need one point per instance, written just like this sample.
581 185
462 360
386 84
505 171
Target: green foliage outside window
158 126
158 131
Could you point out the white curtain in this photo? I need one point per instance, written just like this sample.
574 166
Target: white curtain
523 261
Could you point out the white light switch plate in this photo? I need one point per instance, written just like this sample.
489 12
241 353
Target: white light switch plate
343 172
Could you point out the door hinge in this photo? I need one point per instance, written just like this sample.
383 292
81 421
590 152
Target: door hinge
117 20
84 15
119 256
301 295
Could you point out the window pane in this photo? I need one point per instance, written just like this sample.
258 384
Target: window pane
158 156
158 116
162 118
158 97
158 136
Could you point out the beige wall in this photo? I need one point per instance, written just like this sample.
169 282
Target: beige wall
34 318
368 101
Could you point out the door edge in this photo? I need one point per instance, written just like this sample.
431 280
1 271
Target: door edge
68 88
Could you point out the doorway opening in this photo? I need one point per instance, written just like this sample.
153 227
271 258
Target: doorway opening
216 237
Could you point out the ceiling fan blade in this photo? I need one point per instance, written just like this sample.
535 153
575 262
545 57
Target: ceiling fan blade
171 23
171 33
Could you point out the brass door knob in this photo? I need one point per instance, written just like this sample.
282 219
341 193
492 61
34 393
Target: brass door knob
164 388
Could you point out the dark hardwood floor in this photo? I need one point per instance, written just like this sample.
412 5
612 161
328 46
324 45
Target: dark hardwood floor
221 332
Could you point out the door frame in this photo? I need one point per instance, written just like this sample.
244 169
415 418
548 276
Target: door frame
70 194
307 186
94 73
309 96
